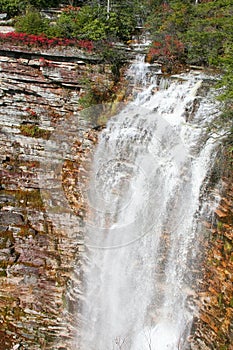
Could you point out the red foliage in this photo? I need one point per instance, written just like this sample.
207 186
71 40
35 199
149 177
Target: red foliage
86 44
168 49
32 40
31 112
71 8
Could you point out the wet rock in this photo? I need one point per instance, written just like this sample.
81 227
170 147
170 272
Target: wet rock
6 198
10 218
40 238
214 329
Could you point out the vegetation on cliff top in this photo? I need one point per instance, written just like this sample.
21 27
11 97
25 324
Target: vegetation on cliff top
191 31
188 31
183 31
199 33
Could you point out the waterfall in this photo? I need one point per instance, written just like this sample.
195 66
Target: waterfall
142 233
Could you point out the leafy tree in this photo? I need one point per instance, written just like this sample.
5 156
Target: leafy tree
93 22
16 7
227 80
87 23
209 32
11 7
205 29
43 3
226 118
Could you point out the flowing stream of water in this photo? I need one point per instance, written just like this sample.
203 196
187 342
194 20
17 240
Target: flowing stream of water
149 171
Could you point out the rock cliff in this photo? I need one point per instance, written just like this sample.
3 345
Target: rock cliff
40 238
214 326
46 147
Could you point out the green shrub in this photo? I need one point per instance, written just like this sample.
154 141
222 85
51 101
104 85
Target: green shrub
32 130
17 7
31 23
94 23
11 7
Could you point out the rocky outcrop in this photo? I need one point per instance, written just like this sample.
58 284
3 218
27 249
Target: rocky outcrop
46 147
214 325
45 152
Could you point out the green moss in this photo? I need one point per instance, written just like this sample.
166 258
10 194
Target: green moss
64 301
219 225
25 198
24 231
87 100
3 272
4 264
32 130
31 198
220 300
17 312
6 236
228 247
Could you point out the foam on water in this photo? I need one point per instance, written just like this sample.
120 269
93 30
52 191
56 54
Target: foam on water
149 170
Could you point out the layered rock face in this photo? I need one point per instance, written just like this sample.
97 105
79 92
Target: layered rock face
46 147
214 327
45 151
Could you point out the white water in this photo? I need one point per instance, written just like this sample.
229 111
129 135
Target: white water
149 169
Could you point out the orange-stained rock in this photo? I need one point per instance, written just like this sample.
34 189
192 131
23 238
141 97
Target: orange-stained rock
214 329
220 213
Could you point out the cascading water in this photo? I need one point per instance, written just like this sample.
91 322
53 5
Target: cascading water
142 232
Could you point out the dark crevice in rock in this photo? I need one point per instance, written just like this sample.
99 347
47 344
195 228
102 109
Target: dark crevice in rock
30 55
22 91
